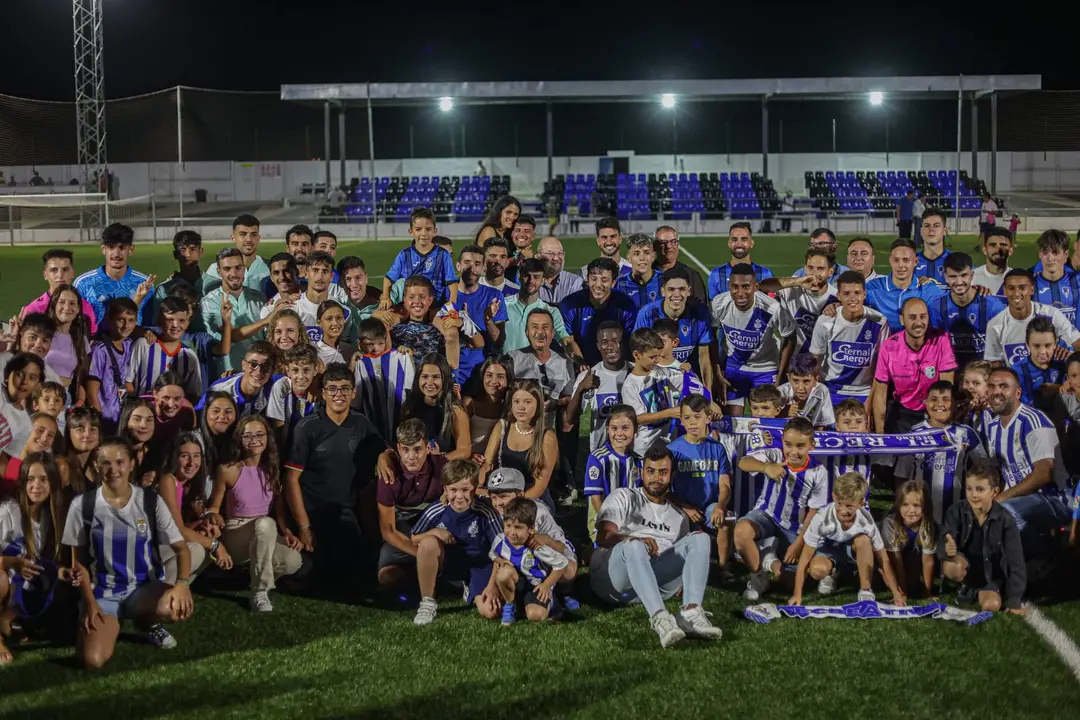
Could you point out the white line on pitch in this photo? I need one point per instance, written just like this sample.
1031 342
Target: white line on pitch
1056 638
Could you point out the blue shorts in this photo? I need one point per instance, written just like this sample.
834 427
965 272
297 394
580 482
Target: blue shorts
769 532
473 573
740 383
839 553
122 607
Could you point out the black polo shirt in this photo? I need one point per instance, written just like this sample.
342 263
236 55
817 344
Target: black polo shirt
335 461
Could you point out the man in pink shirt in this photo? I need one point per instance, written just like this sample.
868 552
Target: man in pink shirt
910 361
59 270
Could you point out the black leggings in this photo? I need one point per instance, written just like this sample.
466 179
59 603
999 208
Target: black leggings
339 550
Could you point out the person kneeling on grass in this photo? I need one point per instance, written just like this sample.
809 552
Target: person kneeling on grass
125 524
646 553
980 546
453 538
522 569
844 528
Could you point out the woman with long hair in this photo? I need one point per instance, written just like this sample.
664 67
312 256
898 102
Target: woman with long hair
285 331
82 434
70 350
499 221
486 405
183 490
137 424
250 489
524 442
432 400
44 434
217 423
22 376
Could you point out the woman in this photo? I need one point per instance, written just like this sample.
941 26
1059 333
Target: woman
173 415
486 406
123 585
30 529
524 442
43 435
81 436
70 350
22 376
500 220
183 489
250 489
216 425
432 400
137 424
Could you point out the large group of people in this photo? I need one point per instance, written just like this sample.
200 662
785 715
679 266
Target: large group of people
283 417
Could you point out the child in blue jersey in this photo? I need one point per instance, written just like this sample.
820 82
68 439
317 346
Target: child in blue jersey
851 418
168 353
613 465
1041 373
793 493
291 397
702 483
910 537
110 356
453 539
425 258
524 570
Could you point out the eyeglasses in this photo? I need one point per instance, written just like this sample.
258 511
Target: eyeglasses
265 365
337 391
667 243
253 437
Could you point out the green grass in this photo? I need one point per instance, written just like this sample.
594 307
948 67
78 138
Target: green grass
315 658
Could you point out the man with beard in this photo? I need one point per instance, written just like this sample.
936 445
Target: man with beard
997 249
642 284
115 278
860 257
888 293
824 239
246 238
584 310
483 305
646 553
247 305
609 240
695 332
804 297
1006 334
527 299
910 361
931 260
740 243
496 261
187 251
319 290
667 245
522 235
558 283
964 314
298 240
1056 283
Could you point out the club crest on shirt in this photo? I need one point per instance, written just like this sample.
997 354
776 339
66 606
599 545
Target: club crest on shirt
141 526
929 371
474 529
868 335
634 476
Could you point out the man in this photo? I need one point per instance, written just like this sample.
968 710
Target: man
584 310
1056 284
646 553
247 305
496 261
527 299
804 297
931 260
558 283
331 461
522 235
860 257
284 277
847 342
298 240
642 284
963 313
905 213
917 210
251 388
824 239
695 331
1006 334
997 249
245 238
59 270
363 299
887 294
319 290
740 243
537 362
115 278
910 362
484 306
187 251
325 241
609 240
667 245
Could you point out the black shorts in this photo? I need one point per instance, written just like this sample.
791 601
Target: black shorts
526 594
390 555
976 579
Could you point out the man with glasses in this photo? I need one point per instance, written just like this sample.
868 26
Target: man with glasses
667 245
251 388
247 305
557 282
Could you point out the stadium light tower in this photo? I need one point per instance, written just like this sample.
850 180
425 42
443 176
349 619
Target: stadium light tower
876 97
446 104
89 44
667 100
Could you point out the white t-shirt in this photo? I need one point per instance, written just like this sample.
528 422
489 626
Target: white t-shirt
12 538
982 276
649 394
751 339
849 350
328 354
818 409
18 424
826 526
601 399
1006 337
635 515
988 213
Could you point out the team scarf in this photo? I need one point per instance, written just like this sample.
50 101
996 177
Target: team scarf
765 613
766 433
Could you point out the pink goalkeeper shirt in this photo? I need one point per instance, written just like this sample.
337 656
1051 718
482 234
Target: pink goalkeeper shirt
913 372
41 304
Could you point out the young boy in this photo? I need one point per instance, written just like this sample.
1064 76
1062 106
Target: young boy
33 334
765 403
168 352
51 398
291 397
842 532
980 546
384 378
647 389
942 471
424 258
1041 376
850 418
702 483
600 389
668 330
523 567
453 539
505 485
794 491
804 395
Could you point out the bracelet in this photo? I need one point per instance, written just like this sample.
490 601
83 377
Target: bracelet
185 581
215 545
306 527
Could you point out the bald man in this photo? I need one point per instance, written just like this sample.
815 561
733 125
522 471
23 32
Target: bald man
557 282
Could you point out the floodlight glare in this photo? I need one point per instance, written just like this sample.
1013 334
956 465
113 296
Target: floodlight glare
667 100
876 97
446 104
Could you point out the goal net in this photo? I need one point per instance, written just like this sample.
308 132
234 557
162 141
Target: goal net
68 217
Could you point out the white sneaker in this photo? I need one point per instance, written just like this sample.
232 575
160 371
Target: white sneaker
260 601
426 612
827 585
865 595
768 561
665 626
758 584
568 501
695 623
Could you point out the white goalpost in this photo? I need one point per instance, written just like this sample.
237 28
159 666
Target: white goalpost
64 217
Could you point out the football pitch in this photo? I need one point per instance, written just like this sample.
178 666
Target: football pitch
364 658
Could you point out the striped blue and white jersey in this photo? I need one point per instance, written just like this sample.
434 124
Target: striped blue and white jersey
533 565
785 500
838 465
942 471
149 362
746 487
607 471
244 406
286 407
474 530
1024 440
805 308
382 384
12 537
97 288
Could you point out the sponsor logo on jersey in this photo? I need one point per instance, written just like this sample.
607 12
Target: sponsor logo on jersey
851 354
1016 353
744 340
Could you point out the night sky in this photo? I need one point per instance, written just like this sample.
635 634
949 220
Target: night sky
247 45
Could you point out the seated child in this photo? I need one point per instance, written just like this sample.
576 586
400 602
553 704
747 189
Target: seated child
453 539
523 568
910 537
842 530
980 545
794 491
804 395
615 464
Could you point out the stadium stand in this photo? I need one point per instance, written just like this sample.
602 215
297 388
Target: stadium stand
878 190
466 198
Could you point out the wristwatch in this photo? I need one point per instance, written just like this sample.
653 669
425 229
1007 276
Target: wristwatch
215 545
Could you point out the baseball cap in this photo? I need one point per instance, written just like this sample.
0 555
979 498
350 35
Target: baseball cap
506 480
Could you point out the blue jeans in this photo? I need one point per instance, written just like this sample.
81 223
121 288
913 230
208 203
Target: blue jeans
629 574
1035 515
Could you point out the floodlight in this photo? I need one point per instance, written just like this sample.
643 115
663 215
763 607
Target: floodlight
876 97
446 104
667 100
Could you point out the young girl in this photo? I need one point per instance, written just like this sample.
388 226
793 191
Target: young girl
183 489
217 422
68 354
911 539
29 542
613 465
250 489
286 331
137 423
1070 398
43 433
524 442
81 436
110 355
432 400
976 414
331 319
485 407
22 376
124 584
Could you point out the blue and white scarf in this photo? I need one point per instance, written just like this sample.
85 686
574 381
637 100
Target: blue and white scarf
767 433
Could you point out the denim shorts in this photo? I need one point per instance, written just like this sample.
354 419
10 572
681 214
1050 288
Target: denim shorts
769 530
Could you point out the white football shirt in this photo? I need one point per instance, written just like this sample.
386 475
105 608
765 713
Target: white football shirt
752 339
601 399
826 526
1006 337
849 350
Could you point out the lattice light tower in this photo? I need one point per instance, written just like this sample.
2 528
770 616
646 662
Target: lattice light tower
90 102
